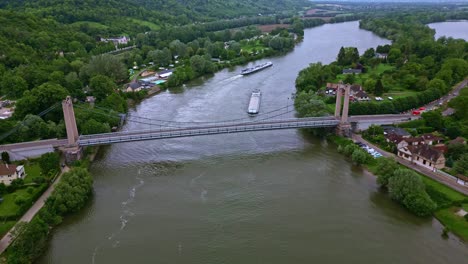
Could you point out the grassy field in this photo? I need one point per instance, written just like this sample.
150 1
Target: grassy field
5 227
251 46
456 224
8 207
453 195
32 172
90 24
151 25
361 78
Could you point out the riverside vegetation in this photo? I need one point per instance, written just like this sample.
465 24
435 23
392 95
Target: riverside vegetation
51 51
418 70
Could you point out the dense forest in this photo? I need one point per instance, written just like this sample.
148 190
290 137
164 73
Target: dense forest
50 49
156 11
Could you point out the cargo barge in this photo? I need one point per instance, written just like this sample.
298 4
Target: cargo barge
256 68
254 103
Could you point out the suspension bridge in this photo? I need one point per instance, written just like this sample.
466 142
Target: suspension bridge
165 129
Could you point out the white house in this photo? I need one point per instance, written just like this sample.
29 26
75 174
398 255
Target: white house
9 173
423 155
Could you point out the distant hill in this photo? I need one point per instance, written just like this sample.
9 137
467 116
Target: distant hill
155 11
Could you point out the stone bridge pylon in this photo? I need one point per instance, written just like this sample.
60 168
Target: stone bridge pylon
344 127
72 151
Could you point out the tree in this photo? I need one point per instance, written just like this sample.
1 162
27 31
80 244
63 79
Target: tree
102 86
378 89
374 130
437 84
197 63
420 203
39 99
107 65
403 183
433 119
13 85
350 78
385 169
359 156
6 157
369 54
369 85
394 55
307 104
461 165
341 59
92 126
49 163
115 102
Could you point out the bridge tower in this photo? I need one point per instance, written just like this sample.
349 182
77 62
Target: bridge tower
344 127
72 150
70 121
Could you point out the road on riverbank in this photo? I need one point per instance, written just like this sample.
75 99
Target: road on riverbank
429 173
28 216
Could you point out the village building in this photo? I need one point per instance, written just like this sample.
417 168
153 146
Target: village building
165 74
381 55
431 139
90 99
351 71
423 155
134 87
331 88
123 40
361 96
355 88
396 130
458 140
10 172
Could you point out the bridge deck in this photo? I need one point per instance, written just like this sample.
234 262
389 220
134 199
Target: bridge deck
206 130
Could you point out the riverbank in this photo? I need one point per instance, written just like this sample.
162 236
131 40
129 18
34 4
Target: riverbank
215 198
449 197
70 191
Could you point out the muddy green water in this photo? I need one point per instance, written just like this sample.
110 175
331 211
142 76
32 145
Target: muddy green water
263 197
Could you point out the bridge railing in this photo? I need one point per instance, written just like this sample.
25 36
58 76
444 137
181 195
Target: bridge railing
185 126
147 135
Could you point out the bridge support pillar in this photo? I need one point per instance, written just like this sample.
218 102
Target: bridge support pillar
344 116
338 102
70 121
344 129
72 154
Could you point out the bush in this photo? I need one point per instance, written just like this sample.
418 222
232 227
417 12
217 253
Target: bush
440 198
407 188
419 203
466 217
20 201
349 149
385 169
15 185
360 157
49 163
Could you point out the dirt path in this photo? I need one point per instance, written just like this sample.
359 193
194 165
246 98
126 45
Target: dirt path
28 216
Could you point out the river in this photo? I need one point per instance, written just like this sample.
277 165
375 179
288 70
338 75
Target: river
262 197
453 29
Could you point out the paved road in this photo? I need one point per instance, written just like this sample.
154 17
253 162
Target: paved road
28 216
433 175
33 144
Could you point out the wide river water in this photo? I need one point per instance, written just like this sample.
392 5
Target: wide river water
260 197
453 29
